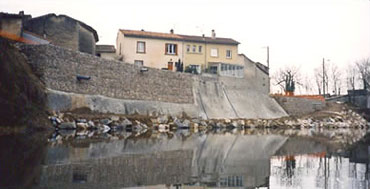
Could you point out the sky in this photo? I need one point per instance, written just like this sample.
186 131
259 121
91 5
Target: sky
298 32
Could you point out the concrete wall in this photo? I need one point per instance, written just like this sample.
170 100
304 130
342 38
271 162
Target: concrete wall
359 98
299 106
252 72
121 88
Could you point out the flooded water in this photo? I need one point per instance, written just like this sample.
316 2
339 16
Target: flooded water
189 160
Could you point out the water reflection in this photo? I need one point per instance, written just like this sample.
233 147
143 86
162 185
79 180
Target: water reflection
193 160
20 160
211 160
311 171
348 169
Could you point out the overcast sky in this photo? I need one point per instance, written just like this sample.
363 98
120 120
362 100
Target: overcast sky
299 32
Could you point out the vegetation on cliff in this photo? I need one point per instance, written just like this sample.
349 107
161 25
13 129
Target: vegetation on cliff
22 94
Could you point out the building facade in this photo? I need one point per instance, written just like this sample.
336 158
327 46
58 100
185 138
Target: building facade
257 72
174 51
12 27
64 31
106 51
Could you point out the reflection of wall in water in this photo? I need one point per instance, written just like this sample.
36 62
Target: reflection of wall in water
128 170
213 159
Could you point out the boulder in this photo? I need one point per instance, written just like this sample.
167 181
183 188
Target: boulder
114 118
126 122
67 125
106 121
162 119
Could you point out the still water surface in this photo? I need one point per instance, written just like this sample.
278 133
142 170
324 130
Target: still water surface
185 160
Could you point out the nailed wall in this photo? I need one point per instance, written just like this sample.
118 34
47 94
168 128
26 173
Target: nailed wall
118 87
59 67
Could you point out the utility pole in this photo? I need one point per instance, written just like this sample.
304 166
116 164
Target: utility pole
323 76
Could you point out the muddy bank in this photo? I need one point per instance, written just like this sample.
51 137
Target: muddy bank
22 97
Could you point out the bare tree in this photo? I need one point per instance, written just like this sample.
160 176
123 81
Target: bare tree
326 77
322 78
307 84
318 79
335 78
351 77
363 67
287 78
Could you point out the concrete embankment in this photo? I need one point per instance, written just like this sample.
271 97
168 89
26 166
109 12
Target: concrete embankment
116 87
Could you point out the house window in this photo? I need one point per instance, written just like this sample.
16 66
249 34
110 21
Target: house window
199 49
140 47
139 63
214 52
171 48
194 48
187 48
228 53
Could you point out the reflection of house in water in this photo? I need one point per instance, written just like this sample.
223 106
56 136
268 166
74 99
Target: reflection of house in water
212 160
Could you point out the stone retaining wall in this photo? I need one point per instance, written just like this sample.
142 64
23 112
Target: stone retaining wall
299 106
118 87
59 67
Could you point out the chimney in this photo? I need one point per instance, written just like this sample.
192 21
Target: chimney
171 31
213 34
203 36
142 30
21 13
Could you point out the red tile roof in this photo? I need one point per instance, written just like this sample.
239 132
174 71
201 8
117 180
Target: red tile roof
178 37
